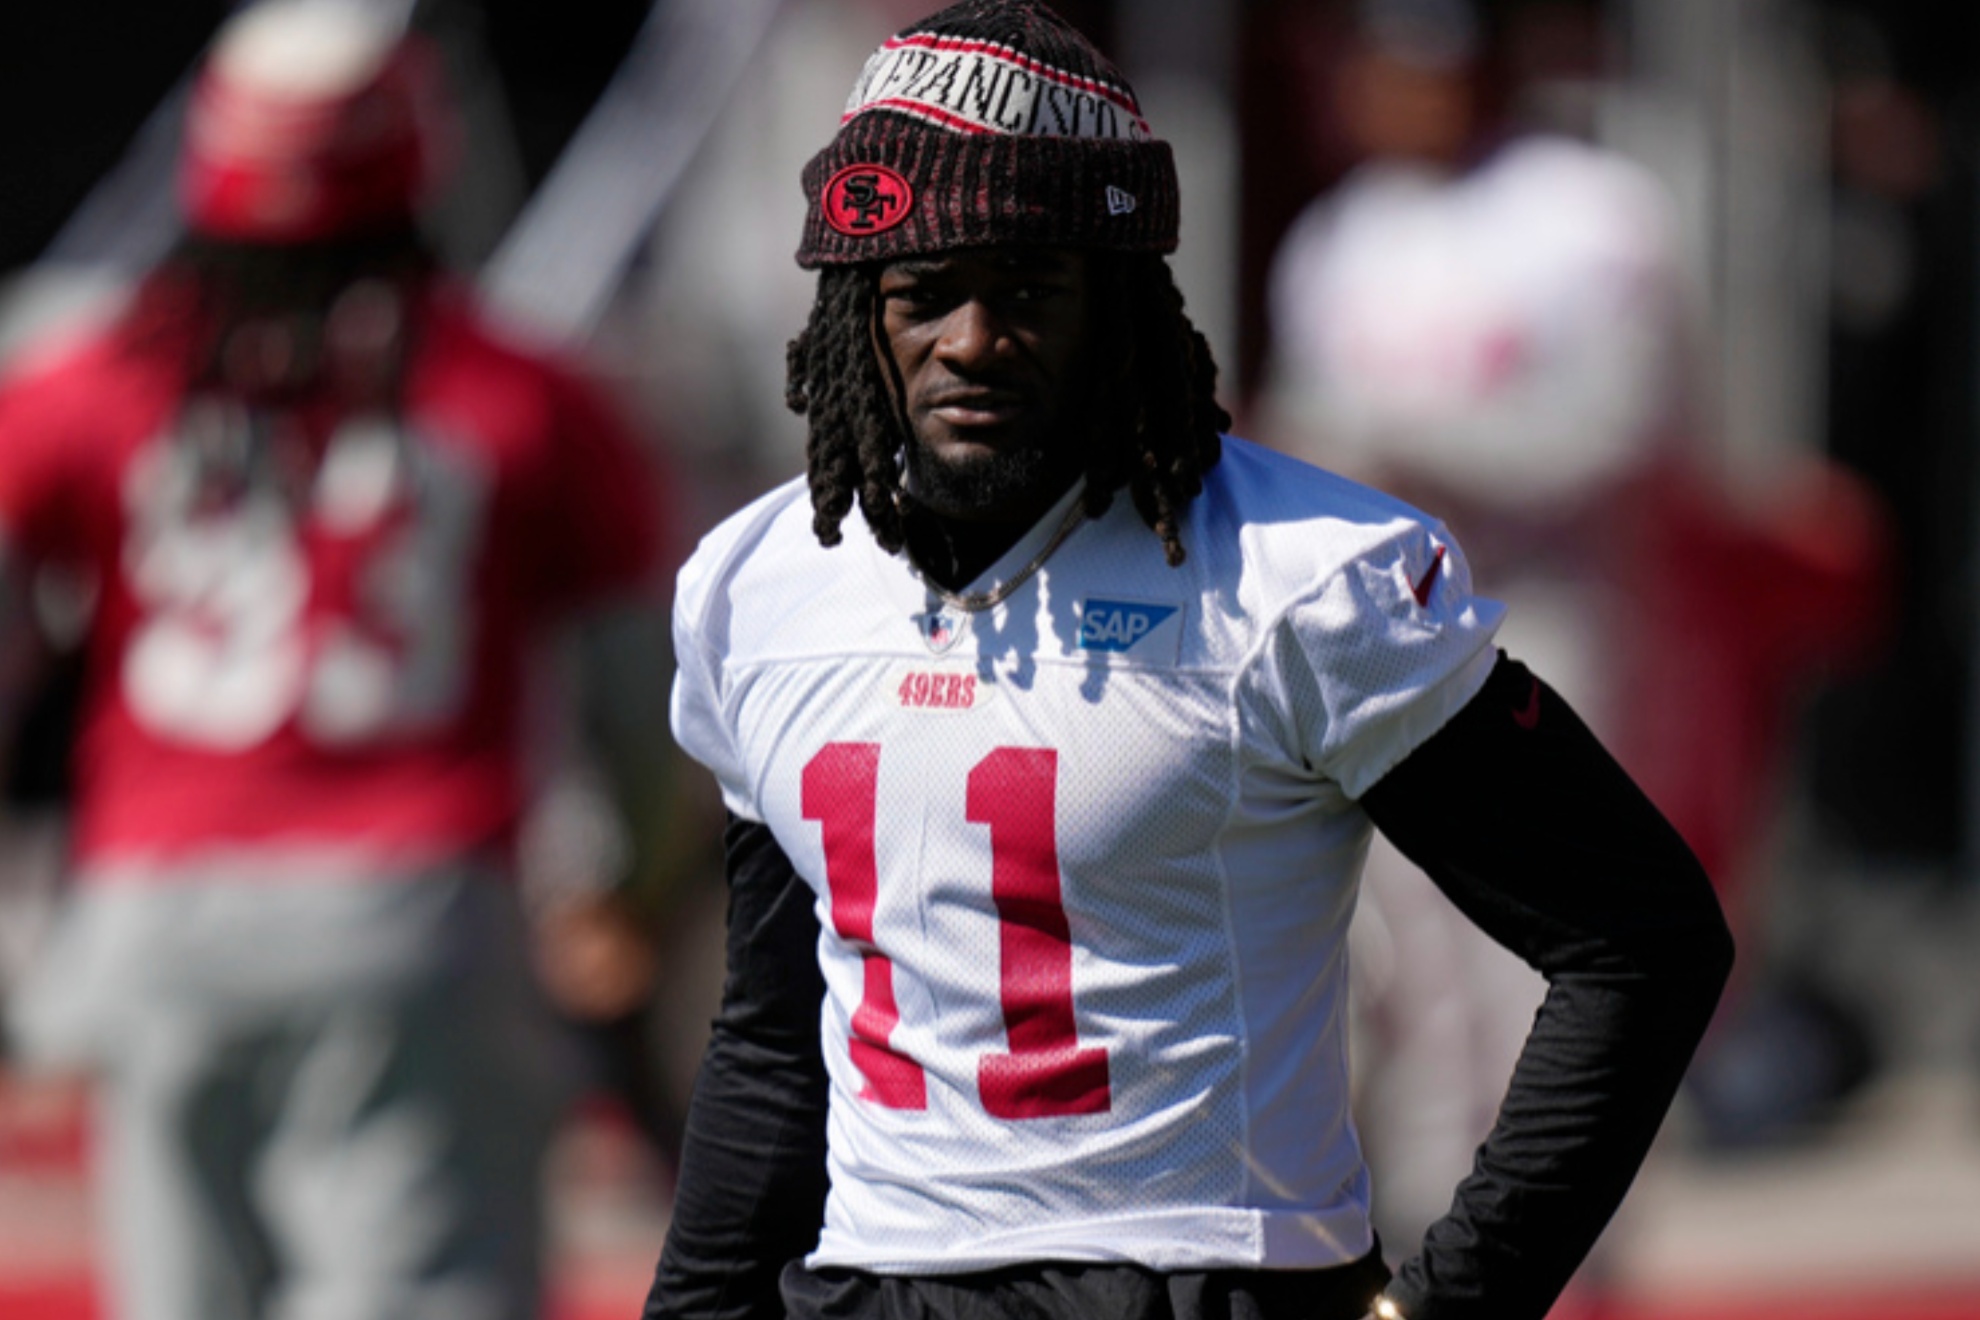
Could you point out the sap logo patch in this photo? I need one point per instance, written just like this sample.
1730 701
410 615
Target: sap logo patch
1120 625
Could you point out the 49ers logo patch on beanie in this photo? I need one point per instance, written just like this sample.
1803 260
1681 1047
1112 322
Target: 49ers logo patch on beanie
866 199
991 122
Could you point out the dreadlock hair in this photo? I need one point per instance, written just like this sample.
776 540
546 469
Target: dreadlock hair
1151 423
205 288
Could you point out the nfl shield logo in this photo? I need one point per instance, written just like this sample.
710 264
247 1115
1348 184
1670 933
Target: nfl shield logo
942 629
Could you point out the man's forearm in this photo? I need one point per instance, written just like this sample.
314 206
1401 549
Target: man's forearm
1533 831
751 1193
1592 1086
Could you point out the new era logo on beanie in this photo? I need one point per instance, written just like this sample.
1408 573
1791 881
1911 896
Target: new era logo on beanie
991 122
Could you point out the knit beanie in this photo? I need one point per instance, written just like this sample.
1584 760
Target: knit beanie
312 119
991 122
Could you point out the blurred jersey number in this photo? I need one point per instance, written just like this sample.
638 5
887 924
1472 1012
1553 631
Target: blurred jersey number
344 610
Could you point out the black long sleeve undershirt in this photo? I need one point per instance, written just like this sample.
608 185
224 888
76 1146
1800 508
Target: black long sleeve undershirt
1538 836
751 1192
1534 832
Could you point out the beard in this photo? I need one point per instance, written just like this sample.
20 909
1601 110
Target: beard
1027 475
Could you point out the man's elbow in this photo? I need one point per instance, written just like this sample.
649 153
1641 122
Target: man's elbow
1686 946
1717 950
1695 954
1708 962
1705 935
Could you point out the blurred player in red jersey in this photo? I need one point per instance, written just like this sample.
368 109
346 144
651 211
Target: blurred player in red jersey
330 516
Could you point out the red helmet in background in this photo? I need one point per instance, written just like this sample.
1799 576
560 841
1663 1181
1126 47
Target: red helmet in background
311 120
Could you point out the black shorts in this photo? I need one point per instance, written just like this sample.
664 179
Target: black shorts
1065 1290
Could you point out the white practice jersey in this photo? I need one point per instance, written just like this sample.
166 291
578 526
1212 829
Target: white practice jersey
1513 330
1085 861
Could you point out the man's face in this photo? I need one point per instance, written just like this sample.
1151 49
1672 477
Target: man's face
1398 110
990 343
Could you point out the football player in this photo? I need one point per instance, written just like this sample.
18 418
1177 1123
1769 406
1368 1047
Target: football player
1051 771
330 514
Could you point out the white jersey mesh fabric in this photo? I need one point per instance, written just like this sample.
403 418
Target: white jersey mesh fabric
1085 861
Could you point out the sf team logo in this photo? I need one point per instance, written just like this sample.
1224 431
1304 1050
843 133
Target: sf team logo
866 199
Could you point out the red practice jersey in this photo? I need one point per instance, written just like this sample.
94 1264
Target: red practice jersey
319 645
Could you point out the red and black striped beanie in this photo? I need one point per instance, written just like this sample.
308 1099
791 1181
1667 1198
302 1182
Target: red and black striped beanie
992 122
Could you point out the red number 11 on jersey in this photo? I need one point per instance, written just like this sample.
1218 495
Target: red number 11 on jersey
1013 791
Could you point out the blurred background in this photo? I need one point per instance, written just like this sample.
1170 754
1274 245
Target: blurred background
1668 307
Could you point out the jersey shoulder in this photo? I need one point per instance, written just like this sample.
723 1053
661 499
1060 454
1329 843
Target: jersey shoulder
1598 204
1361 631
71 414
1285 526
765 547
537 417
1278 538
489 384
1582 171
75 378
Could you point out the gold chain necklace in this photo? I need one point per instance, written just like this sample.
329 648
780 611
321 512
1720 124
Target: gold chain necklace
975 602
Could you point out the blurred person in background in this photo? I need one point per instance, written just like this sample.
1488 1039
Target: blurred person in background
1886 772
329 518
1486 315
1485 324
1489 317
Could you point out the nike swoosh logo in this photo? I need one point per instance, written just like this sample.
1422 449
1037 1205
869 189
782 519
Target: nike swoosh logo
1422 589
1530 717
